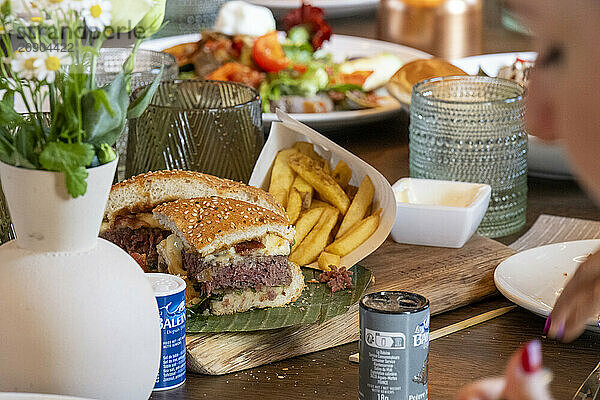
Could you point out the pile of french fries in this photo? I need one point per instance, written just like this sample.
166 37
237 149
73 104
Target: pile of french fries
331 217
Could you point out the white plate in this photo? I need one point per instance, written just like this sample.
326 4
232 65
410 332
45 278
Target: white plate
534 278
332 8
284 134
545 160
341 47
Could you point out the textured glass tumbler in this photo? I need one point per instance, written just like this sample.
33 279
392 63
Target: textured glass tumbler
470 129
207 126
147 66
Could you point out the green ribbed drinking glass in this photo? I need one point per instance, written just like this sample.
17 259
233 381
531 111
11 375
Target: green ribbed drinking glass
471 129
206 126
147 66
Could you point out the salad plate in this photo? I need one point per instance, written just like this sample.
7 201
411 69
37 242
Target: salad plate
341 47
535 278
545 160
332 8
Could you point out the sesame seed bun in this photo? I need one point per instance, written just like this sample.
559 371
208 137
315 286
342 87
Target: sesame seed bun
208 224
143 192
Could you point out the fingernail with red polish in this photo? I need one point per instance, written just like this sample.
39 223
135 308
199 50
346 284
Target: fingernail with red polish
531 356
547 325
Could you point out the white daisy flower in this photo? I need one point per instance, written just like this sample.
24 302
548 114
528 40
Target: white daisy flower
49 63
23 64
97 14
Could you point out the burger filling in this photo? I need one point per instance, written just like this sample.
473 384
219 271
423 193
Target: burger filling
255 264
138 235
247 272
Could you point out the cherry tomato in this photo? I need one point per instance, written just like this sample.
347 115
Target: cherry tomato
268 53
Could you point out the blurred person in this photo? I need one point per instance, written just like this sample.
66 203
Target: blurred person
562 103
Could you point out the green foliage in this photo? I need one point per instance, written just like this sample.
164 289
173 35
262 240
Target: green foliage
106 154
70 158
84 121
139 104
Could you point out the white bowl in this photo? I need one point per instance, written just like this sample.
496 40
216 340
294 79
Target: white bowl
438 213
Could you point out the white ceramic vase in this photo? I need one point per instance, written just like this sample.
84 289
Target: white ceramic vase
77 314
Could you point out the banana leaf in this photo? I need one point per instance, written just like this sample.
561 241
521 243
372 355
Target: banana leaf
316 304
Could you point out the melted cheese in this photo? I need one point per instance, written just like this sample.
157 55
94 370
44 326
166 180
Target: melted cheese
170 250
148 220
274 244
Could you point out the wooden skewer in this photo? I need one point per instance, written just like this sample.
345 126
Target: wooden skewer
459 326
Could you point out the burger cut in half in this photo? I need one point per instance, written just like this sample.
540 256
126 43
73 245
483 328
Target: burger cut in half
234 253
128 220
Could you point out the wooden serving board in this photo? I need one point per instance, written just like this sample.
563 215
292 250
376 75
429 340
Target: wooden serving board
449 278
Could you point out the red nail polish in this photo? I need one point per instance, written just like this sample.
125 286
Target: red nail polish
547 325
531 356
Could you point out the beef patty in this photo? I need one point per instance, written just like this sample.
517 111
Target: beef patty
247 272
142 241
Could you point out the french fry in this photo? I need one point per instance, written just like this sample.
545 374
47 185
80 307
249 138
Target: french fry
314 243
305 223
358 208
326 259
308 149
342 174
323 183
282 176
320 204
351 191
299 198
355 236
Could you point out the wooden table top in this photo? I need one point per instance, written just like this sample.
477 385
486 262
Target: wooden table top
455 360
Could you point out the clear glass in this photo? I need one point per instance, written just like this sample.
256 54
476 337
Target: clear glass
470 128
147 66
207 126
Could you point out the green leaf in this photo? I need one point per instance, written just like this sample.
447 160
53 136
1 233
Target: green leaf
58 156
139 104
100 125
70 158
76 181
316 305
25 144
101 99
7 149
8 115
5 9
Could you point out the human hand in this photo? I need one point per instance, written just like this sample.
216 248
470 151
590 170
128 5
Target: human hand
523 380
578 303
